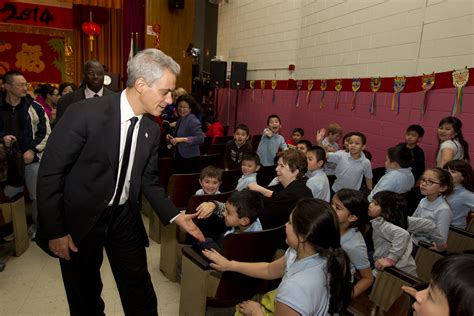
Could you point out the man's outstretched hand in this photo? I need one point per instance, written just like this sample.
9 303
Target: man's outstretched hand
186 222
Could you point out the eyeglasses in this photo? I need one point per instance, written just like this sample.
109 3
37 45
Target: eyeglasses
428 182
21 85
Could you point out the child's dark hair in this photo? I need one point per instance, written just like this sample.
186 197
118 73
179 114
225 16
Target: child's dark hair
251 157
319 152
273 116
248 203
453 276
356 203
417 129
298 130
316 222
465 169
295 160
242 127
64 85
361 136
307 143
393 207
401 155
211 172
348 135
44 90
444 178
457 126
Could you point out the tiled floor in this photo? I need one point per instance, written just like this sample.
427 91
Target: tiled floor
31 285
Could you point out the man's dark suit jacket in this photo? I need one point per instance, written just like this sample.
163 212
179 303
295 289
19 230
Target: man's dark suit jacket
78 170
73 97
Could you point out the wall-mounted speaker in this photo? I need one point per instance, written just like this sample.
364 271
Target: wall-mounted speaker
218 73
238 75
176 4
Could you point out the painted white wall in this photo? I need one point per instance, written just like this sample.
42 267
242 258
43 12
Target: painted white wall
346 38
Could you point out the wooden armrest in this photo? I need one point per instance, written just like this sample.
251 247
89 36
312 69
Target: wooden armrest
406 277
461 231
196 257
429 246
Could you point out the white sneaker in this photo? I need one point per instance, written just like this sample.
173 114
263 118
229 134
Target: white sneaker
9 237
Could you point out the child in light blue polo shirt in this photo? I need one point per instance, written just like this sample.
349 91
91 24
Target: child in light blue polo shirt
317 180
271 141
399 178
250 165
351 166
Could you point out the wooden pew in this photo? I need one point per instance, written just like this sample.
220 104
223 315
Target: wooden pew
222 139
265 174
203 287
425 259
460 240
230 179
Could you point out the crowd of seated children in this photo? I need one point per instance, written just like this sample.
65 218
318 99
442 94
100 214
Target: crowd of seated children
314 270
296 136
352 166
250 165
451 289
271 141
435 185
330 145
210 180
398 177
392 243
413 135
303 145
317 180
214 128
452 145
351 209
238 147
462 198
278 200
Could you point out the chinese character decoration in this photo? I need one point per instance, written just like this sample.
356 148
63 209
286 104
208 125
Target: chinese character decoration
274 85
355 88
375 84
460 78
323 86
338 87
157 30
252 89
299 85
398 86
262 86
427 82
28 59
310 88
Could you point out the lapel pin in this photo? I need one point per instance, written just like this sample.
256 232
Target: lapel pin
146 135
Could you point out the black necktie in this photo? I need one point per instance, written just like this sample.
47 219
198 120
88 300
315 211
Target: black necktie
96 95
125 160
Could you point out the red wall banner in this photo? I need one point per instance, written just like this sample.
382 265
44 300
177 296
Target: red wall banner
39 57
35 15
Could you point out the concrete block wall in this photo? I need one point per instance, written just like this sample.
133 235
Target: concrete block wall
346 38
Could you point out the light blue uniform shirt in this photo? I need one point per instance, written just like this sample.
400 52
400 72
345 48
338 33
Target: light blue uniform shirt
256 226
395 180
201 192
319 184
354 245
349 171
437 212
305 285
461 202
245 180
268 148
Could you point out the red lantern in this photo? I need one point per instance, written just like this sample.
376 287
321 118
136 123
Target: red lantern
91 29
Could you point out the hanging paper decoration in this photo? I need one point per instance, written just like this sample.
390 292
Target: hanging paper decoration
375 84
398 86
338 87
252 89
299 85
310 88
460 78
355 88
323 86
262 86
274 85
157 30
427 82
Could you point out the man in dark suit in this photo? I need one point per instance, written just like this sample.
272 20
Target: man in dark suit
93 86
100 157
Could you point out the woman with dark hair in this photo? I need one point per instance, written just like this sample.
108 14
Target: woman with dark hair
452 144
48 97
187 136
451 290
66 87
316 278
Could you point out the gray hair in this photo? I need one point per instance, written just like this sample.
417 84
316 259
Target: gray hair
149 64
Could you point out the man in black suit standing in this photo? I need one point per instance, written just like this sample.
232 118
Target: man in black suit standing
99 158
93 86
